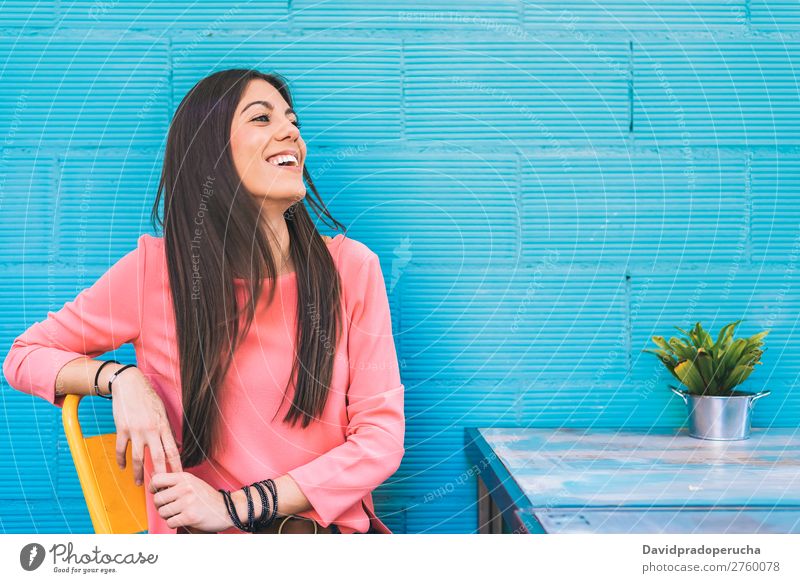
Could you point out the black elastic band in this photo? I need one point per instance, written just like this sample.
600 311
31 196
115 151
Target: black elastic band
114 377
96 388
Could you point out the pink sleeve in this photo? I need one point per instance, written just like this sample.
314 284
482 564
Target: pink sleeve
100 318
338 479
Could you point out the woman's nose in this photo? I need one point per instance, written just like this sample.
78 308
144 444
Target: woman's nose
290 129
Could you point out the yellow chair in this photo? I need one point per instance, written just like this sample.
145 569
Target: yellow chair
116 504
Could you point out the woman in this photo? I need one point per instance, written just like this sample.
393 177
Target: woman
232 386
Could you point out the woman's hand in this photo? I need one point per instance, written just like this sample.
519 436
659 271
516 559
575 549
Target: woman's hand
185 500
140 418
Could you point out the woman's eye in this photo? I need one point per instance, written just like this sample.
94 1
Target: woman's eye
265 117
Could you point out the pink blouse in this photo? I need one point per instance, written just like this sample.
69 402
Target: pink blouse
336 461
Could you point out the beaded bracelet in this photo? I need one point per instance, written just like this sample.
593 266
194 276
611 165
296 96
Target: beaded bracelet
253 525
268 485
262 519
251 518
226 495
274 491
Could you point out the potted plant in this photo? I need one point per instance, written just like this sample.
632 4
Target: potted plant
710 371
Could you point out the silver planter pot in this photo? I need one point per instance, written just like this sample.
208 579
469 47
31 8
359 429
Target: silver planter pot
720 418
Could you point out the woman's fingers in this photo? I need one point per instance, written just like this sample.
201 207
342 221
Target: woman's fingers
161 481
141 420
171 450
137 454
176 521
165 496
157 454
122 447
169 509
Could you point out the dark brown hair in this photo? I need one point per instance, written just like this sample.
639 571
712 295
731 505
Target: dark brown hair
213 235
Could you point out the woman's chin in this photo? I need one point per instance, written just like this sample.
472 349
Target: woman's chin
288 195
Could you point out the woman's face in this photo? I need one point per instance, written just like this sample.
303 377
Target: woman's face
261 129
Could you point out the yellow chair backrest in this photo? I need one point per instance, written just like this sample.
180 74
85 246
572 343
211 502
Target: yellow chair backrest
116 504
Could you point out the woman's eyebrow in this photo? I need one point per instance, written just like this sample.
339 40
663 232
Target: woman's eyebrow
268 105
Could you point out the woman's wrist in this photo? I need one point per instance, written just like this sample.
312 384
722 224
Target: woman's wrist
104 373
239 499
107 373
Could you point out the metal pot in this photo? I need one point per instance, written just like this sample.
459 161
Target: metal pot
720 418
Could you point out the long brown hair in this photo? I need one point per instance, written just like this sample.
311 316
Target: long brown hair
212 235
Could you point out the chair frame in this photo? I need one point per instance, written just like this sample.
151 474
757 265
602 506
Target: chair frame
116 504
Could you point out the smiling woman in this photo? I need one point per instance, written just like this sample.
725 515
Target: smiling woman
284 405
268 155
254 210
267 149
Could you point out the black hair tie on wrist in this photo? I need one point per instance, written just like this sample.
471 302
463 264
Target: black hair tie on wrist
114 377
96 388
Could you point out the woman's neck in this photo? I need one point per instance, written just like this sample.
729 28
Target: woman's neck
280 243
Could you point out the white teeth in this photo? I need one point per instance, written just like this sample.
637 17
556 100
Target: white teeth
281 158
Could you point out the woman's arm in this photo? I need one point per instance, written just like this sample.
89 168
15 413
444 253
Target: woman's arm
291 499
188 502
50 360
77 377
339 478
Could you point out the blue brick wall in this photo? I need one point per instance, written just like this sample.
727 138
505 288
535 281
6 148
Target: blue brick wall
547 183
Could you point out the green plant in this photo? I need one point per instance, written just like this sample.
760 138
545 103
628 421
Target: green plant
706 367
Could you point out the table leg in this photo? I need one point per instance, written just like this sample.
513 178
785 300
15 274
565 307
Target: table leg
484 503
490 519
496 518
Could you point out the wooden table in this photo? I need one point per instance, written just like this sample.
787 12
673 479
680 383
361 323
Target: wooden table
628 481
